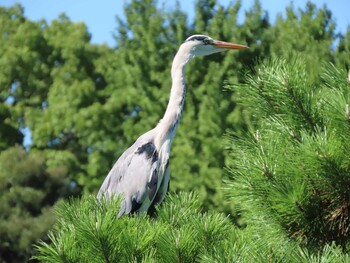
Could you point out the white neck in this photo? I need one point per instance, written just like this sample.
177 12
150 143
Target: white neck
168 124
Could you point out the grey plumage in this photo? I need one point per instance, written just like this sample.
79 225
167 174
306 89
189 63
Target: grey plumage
135 175
141 175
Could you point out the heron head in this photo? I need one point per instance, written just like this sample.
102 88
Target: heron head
201 45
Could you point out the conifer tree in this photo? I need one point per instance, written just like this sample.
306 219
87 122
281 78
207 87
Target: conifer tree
89 231
30 185
294 165
309 31
343 50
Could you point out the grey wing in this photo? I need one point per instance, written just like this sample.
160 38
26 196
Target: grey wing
162 191
135 176
164 186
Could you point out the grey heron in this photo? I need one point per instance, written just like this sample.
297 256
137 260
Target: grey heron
141 174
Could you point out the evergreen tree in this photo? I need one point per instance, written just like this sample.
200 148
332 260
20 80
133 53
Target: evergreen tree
89 231
343 50
309 31
294 164
30 184
10 135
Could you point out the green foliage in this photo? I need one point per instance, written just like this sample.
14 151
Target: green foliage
29 186
309 31
89 229
85 104
52 83
294 165
343 49
9 133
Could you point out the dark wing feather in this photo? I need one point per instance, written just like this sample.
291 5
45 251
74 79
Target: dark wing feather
162 191
134 176
152 185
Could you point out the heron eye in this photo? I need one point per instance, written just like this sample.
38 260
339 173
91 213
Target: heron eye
207 41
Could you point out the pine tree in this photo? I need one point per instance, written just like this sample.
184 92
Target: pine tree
89 231
294 165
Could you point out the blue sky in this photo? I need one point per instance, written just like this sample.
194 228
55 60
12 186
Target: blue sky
99 16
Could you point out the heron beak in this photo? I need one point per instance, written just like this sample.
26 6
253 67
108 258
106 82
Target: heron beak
228 45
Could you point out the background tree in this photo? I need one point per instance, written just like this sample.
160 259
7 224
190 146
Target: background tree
30 184
37 72
343 49
9 134
309 31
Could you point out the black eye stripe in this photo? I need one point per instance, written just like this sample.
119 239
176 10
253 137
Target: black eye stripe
198 38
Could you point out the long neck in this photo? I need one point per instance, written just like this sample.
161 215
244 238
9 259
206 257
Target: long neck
172 116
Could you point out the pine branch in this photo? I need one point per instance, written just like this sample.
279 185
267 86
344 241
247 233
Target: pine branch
308 172
306 115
